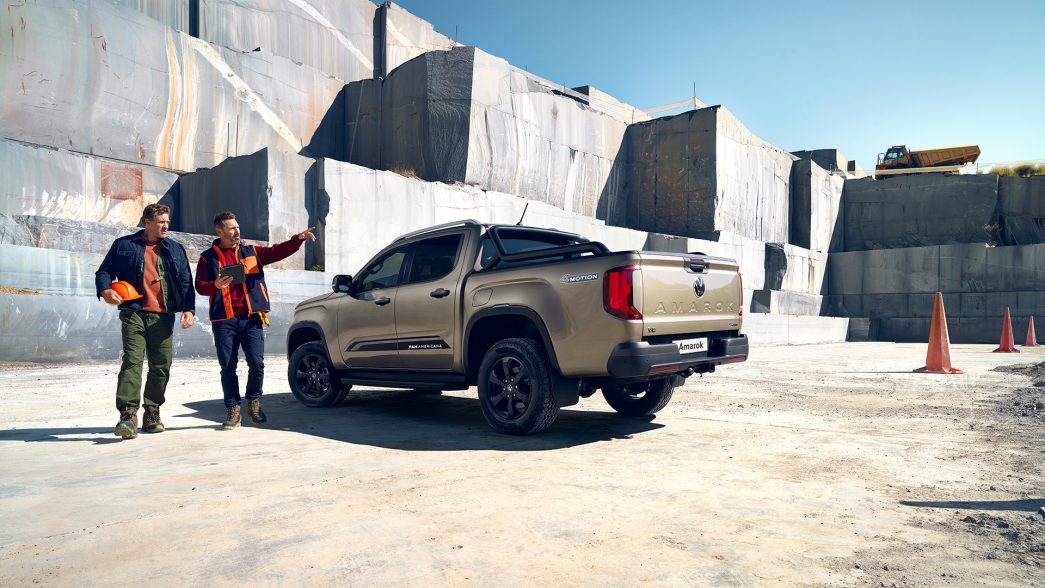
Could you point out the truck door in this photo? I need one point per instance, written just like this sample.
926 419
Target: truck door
366 318
427 302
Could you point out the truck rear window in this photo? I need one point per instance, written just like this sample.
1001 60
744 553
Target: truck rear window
523 242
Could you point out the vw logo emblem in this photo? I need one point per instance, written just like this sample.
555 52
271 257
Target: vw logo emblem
698 287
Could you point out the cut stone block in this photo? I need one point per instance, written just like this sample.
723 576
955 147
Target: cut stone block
777 302
1022 210
335 37
698 174
384 205
36 181
860 330
405 37
831 160
914 211
466 116
268 191
151 94
855 171
784 329
816 197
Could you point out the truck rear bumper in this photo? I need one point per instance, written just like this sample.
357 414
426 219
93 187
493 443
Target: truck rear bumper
642 359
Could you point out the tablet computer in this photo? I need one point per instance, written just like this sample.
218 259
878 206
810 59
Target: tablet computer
236 271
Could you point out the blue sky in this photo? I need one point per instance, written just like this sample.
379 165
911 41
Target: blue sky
856 76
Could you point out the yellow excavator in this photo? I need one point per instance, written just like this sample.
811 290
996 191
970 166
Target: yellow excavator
898 157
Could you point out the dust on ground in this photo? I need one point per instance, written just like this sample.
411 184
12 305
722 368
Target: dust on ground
814 465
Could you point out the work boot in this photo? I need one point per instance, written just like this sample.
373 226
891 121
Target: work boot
233 419
152 422
127 428
255 412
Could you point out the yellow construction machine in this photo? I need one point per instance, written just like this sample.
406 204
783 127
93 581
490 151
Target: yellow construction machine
898 157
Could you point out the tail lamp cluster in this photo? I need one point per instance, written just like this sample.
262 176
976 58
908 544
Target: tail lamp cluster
618 293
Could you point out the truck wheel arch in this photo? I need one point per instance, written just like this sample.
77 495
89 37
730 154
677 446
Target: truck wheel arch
304 332
522 322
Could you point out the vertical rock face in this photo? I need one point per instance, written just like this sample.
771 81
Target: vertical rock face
267 191
752 196
401 36
699 174
415 122
895 288
335 37
668 176
105 79
173 13
816 197
465 116
1021 209
36 181
529 141
912 211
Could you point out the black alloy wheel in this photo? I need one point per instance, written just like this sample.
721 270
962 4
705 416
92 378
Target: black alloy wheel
515 387
311 378
510 388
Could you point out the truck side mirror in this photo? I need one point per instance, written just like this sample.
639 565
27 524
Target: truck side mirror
342 284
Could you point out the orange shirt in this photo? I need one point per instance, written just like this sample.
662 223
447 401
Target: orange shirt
153 291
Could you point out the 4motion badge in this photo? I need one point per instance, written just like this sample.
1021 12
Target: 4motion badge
575 278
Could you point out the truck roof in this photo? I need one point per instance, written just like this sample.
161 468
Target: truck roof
485 226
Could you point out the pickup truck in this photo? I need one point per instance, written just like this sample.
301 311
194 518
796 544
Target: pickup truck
534 318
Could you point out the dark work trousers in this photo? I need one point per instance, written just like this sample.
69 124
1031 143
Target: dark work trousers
145 334
229 336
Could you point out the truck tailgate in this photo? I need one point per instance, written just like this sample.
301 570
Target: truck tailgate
687 293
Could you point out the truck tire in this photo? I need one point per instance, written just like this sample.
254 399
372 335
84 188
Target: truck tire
515 387
643 398
312 380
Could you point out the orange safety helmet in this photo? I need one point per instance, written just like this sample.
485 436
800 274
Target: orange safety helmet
125 290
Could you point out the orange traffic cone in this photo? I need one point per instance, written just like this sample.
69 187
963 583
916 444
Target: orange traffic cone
1032 341
938 358
1007 345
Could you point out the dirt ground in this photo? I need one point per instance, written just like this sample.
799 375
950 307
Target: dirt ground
813 465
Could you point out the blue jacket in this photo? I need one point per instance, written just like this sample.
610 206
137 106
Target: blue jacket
126 261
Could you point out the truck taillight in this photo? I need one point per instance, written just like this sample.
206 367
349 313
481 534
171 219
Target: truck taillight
618 293
741 278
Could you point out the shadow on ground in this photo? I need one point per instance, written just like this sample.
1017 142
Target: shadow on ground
1027 505
420 421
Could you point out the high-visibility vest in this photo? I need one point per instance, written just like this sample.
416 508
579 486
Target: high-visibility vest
254 289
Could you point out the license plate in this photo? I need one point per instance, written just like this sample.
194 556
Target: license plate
692 345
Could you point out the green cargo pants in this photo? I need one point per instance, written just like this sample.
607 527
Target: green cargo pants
144 334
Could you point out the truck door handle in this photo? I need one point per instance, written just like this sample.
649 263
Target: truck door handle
439 293
382 301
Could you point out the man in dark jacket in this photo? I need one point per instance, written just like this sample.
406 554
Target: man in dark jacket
238 310
158 268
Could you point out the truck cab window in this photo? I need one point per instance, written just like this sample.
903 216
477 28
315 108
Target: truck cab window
432 259
383 272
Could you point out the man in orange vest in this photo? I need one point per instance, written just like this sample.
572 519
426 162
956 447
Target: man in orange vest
238 310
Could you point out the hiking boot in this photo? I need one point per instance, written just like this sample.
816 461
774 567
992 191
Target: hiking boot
127 428
152 422
233 419
255 412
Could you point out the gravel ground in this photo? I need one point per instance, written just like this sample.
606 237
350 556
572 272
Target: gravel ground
812 465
